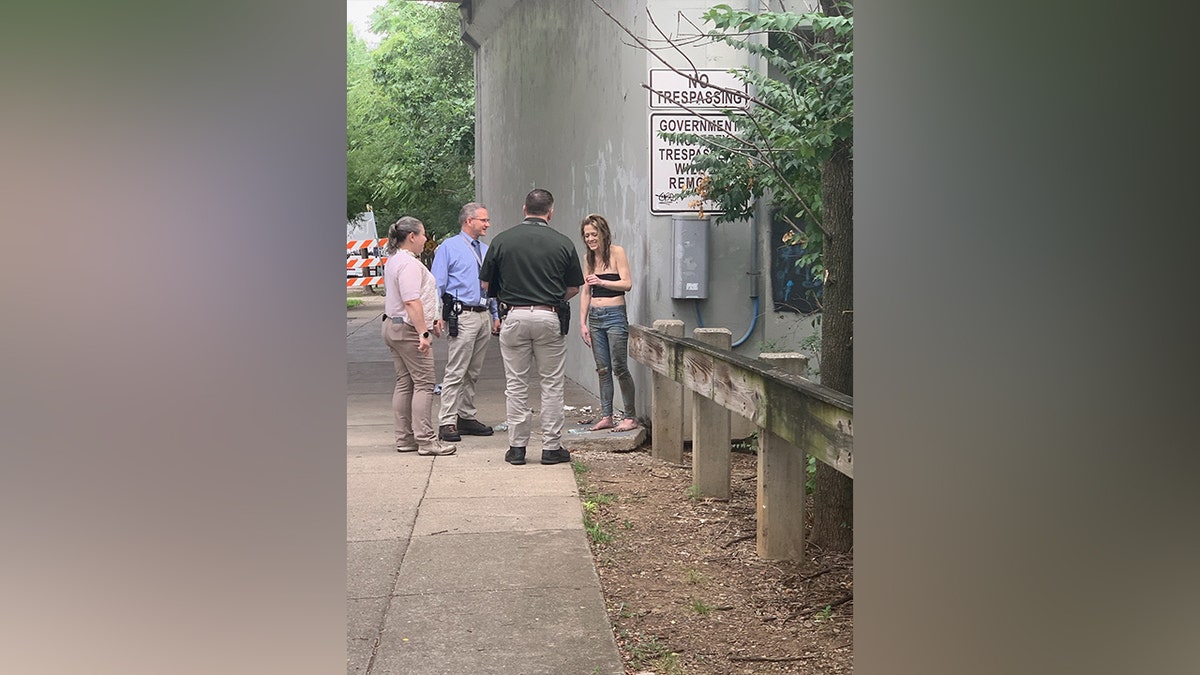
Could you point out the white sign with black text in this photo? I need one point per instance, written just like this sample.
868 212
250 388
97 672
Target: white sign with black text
668 161
703 89
693 98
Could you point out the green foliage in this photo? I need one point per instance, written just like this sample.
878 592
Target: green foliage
810 473
700 607
353 302
592 525
646 651
748 444
812 342
595 530
668 664
801 108
593 502
410 117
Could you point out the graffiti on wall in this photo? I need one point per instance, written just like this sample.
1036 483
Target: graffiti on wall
793 288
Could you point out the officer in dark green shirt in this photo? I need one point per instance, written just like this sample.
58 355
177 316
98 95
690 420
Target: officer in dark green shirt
534 271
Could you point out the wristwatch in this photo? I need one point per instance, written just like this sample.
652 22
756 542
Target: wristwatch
425 335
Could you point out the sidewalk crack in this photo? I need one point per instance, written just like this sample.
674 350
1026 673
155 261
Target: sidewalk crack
387 607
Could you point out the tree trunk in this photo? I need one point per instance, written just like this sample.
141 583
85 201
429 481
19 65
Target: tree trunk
834 7
833 514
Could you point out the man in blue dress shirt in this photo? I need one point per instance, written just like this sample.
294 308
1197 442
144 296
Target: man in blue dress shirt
456 266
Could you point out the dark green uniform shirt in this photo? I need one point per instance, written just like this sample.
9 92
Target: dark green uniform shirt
531 264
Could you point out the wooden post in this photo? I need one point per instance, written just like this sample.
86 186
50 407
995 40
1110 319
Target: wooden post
781 477
666 417
789 362
710 422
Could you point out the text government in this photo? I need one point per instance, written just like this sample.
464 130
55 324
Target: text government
695 125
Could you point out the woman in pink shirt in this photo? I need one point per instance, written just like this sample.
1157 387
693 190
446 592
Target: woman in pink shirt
410 322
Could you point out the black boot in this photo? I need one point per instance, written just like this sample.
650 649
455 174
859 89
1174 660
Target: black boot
473 428
515 455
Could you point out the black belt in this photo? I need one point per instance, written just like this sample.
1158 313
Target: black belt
472 308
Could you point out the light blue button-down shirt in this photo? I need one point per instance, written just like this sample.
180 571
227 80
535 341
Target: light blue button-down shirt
456 269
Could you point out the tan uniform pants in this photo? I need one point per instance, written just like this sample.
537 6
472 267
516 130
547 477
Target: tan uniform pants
532 346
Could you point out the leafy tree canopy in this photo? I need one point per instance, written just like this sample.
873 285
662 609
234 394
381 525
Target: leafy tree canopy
410 117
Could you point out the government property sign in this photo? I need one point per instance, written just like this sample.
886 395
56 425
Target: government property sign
706 91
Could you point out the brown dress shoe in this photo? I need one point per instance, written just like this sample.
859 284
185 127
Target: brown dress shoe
448 432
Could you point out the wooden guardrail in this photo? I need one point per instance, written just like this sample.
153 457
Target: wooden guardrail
794 416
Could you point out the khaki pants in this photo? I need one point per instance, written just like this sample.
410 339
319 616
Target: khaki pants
531 345
412 399
465 360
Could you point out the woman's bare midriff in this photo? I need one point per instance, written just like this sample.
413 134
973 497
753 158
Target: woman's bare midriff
607 301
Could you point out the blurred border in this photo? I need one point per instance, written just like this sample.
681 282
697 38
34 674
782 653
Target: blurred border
1023 367
172 487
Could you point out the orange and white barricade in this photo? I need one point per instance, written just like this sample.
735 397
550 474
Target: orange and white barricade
364 263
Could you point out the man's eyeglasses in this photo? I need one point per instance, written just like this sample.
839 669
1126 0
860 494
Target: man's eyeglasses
483 220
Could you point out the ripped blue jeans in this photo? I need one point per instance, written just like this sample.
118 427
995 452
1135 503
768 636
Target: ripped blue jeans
609 327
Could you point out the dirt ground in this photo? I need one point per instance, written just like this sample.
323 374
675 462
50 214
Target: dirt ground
684 588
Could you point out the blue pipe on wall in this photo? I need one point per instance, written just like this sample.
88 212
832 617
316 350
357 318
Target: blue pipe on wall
754 262
753 322
741 340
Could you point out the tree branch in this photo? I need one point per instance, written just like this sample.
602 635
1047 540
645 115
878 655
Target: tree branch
670 41
763 155
840 601
692 78
814 575
734 541
772 659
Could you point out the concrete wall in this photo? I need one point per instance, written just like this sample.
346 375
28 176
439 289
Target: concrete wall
560 105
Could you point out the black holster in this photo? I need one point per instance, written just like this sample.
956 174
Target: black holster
451 308
564 316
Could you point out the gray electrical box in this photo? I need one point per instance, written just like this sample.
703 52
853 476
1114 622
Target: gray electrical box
689 262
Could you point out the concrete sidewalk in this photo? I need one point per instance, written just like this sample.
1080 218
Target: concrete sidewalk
464 564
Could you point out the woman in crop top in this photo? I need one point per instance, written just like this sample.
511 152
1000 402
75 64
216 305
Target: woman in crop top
604 323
